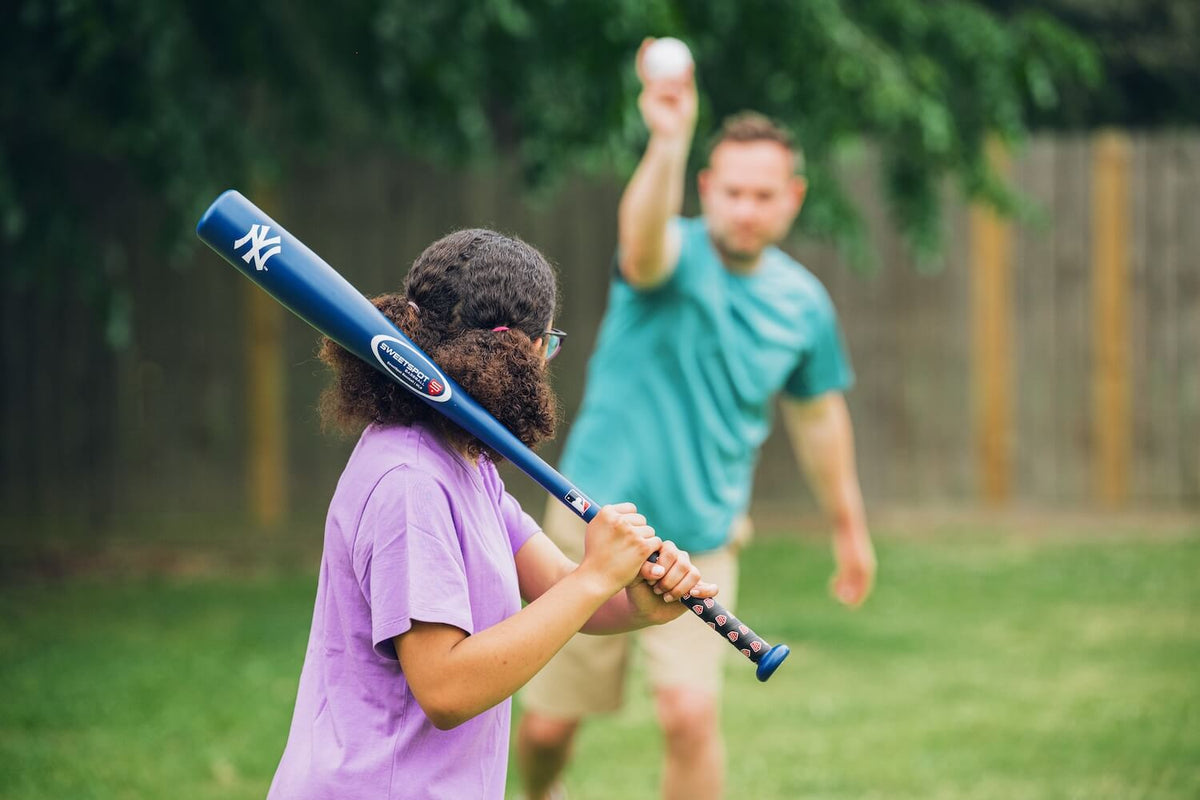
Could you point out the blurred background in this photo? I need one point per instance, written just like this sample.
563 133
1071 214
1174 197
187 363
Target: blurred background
1002 203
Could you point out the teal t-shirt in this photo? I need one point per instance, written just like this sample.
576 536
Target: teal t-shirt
679 390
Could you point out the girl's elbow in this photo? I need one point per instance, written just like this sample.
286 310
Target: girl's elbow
446 721
446 713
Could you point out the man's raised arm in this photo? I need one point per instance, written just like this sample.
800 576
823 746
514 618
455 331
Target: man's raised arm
649 245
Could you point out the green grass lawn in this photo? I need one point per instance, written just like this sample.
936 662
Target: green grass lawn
987 665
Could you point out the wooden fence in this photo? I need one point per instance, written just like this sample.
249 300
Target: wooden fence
1052 364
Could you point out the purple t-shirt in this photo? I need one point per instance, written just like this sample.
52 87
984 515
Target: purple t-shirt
414 532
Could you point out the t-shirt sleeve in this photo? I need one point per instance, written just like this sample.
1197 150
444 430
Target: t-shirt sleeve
520 526
685 272
824 364
408 560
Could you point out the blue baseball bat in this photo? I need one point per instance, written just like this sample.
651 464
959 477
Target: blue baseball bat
262 250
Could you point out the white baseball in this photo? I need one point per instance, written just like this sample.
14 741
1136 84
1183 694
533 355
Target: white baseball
666 58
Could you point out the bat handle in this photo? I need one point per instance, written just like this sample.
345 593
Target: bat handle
737 633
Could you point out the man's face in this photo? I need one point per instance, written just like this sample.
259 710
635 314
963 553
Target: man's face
750 198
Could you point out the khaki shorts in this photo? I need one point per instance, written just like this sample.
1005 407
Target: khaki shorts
588 675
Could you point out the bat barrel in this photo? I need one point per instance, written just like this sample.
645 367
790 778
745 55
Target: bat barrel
263 251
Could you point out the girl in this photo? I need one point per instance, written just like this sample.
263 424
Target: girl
418 637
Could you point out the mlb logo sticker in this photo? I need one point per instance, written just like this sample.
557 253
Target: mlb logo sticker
755 646
435 388
733 637
699 609
578 501
722 619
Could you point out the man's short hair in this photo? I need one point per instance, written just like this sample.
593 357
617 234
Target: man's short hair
750 126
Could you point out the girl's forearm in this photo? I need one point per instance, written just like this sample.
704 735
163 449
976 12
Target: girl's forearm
487 667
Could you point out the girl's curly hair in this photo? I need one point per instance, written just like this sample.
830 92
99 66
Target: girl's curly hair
458 290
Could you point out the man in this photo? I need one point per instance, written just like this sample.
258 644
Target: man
707 322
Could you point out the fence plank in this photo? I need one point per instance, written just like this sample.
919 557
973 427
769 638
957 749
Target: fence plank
266 405
1140 416
991 310
953 413
1035 343
1162 354
1188 292
1110 318
1071 298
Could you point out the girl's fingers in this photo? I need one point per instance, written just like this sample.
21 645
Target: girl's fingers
679 581
703 589
651 544
681 575
668 554
651 572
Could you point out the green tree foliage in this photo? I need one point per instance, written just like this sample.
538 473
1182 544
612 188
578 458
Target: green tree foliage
104 103
1150 50
180 99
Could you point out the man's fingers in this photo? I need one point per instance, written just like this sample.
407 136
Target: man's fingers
850 590
640 60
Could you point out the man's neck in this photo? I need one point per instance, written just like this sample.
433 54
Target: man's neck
741 266
738 265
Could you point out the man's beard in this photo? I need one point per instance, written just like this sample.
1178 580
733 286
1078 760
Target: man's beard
742 256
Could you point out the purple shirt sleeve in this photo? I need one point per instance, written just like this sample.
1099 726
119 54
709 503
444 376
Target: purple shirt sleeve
520 526
407 559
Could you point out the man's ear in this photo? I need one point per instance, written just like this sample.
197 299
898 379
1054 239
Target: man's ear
799 189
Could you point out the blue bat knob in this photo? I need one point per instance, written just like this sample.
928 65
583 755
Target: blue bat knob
771 661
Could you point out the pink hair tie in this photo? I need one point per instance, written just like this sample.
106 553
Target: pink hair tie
499 328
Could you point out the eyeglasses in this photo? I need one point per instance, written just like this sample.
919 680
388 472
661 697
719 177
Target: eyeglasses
554 342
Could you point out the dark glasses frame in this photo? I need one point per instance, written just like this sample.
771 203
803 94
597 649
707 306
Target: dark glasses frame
554 342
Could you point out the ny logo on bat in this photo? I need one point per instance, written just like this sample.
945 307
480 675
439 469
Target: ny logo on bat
257 237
